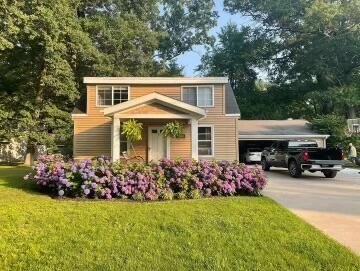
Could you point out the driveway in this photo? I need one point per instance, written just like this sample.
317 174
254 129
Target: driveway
331 205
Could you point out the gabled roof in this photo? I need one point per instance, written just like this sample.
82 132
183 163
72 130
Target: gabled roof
155 80
155 98
231 106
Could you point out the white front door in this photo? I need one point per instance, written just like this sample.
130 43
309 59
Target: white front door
157 144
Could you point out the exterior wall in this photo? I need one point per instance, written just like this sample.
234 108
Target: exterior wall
92 133
225 128
225 144
153 108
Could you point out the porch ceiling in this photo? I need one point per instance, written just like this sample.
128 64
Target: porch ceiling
177 109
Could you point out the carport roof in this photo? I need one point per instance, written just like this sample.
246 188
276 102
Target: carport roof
276 128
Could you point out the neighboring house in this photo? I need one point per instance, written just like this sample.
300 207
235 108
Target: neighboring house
353 126
12 151
205 105
15 151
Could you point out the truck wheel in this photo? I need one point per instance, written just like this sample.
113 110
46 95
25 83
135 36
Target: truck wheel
265 166
294 170
329 173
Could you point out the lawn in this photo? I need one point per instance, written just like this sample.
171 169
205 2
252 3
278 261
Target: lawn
235 233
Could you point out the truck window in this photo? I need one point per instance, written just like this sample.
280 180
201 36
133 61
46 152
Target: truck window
283 145
303 144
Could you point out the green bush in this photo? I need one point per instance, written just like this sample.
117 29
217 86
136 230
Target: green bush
195 194
138 196
332 125
166 195
181 195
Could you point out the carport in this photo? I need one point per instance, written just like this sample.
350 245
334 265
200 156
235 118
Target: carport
262 133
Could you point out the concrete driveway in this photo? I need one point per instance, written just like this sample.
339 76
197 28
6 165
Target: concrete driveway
331 205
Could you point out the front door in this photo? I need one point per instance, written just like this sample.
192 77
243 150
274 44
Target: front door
157 144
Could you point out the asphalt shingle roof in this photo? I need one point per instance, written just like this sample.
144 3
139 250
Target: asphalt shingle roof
231 106
275 127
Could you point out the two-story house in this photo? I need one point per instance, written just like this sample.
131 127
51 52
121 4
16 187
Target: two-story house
205 105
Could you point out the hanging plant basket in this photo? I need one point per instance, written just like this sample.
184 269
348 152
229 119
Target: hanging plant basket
173 129
132 130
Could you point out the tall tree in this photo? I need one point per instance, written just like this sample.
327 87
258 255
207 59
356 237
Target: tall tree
38 86
46 47
318 45
238 54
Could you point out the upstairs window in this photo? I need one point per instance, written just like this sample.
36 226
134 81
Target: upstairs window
201 96
111 95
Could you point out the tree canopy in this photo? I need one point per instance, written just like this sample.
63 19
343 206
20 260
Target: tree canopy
311 54
46 47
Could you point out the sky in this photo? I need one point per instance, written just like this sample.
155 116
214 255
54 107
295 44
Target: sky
191 59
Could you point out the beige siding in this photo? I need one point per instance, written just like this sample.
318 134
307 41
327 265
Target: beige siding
180 148
92 133
172 91
153 108
92 137
225 140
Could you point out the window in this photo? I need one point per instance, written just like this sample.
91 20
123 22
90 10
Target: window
205 141
104 96
356 128
189 95
111 95
123 141
201 96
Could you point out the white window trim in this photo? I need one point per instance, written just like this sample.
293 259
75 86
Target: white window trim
197 96
112 94
212 140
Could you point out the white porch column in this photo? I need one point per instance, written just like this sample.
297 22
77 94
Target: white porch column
194 139
115 139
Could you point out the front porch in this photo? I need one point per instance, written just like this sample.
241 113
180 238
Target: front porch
154 111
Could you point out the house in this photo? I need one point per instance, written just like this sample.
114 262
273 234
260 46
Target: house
353 126
206 106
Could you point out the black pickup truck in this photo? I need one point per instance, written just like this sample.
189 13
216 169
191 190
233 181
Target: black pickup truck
299 156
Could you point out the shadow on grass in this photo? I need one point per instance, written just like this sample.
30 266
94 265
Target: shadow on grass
12 177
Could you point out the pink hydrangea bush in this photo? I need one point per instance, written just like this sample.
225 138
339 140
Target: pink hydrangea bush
212 177
101 178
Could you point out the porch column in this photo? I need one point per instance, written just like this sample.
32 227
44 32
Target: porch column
115 139
194 138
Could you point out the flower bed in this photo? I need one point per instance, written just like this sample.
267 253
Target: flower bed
168 179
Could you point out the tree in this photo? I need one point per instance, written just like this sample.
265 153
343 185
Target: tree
238 55
315 49
38 86
47 47
332 125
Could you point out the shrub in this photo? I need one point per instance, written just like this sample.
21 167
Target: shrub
195 194
100 178
166 194
138 196
180 195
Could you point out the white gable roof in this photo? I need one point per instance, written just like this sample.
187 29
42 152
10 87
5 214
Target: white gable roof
155 80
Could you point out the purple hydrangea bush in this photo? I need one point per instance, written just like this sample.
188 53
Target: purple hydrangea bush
101 178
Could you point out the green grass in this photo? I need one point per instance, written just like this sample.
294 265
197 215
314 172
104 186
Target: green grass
238 233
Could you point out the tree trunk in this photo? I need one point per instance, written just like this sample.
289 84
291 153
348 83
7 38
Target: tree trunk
29 156
29 159
351 112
